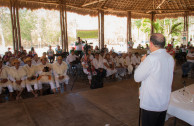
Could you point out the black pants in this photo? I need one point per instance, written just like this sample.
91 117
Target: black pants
150 118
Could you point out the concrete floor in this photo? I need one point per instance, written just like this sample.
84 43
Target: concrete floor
116 104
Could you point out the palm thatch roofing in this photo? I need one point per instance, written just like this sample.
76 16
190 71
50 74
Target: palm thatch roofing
139 8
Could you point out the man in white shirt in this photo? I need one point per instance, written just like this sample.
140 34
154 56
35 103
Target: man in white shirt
18 77
71 58
60 73
99 66
36 60
136 60
45 74
129 63
4 80
156 75
187 66
31 76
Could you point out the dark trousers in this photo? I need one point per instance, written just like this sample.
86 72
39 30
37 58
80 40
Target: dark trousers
150 118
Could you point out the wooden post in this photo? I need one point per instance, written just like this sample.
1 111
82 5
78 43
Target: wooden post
152 21
186 28
15 24
66 33
61 23
128 27
18 26
101 28
12 23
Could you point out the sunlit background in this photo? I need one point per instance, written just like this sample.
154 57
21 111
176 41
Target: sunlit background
41 28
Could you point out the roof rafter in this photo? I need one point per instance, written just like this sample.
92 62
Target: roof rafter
92 2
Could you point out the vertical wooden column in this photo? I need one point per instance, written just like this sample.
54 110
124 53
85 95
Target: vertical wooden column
63 22
101 28
15 24
128 27
186 28
66 33
152 21
18 27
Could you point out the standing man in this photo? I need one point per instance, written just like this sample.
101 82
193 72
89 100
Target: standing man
155 73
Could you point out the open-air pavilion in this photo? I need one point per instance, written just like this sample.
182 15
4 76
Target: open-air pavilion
117 104
152 9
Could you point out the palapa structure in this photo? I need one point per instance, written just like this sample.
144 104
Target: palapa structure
153 9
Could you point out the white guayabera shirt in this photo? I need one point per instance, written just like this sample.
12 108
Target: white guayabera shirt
156 75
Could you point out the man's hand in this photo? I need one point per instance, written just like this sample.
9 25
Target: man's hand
143 58
18 82
61 77
4 80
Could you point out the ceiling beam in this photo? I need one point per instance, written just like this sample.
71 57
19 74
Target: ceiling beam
92 2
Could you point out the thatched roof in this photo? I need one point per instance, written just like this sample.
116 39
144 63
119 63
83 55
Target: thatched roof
139 8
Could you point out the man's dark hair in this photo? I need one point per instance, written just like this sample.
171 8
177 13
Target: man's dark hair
158 40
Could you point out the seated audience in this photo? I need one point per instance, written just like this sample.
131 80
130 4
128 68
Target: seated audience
187 66
136 60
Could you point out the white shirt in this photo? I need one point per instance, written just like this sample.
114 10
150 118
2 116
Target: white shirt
97 63
60 69
116 61
190 55
128 60
135 60
71 58
17 74
36 62
155 74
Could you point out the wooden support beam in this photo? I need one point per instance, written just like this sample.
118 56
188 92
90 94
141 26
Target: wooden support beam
101 28
128 27
18 27
152 21
92 2
12 23
66 33
186 28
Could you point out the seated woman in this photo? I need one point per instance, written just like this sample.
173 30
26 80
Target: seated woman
109 66
88 68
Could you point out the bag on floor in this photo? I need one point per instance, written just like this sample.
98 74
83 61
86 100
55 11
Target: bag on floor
97 82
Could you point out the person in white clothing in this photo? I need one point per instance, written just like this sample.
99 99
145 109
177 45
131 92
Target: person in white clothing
31 76
97 63
129 65
4 80
45 75
121 71
60 72
18 77
155 73
71 58
136 60
109 66
36 60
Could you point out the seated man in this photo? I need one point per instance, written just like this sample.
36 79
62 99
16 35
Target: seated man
129 63
118 62
60 72
31 76
71 59
36 60
18 77
4 82
97 63
45 74
136 60
109 66
187 66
